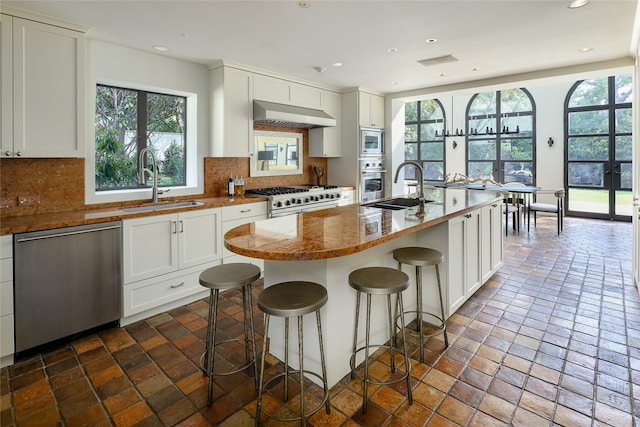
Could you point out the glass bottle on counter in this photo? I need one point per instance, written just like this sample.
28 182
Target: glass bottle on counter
239 187
230 188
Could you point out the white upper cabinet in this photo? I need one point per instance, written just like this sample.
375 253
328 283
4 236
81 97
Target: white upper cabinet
43 87
371 110
327 142
272 89
232 109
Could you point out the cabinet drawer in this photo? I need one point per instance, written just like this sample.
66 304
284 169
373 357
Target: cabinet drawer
6 298
148 294
6 246
6 335
246 210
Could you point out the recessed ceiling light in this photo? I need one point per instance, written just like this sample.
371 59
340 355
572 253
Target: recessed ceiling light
577 3
160 48
393 50
394 83
337 64
474 69
302 4
585 49
442 74
185 34
431 40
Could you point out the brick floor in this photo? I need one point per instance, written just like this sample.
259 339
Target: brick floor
552 339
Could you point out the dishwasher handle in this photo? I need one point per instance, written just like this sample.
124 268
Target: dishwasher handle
71 233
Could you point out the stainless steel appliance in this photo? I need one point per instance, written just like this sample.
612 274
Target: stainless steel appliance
67 280
292 200
371 142
372 179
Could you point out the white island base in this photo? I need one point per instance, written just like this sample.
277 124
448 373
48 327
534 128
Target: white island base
338 315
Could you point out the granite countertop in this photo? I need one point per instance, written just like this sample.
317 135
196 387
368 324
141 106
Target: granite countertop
349 229
47 221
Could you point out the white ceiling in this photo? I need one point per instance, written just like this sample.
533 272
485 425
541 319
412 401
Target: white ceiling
499 38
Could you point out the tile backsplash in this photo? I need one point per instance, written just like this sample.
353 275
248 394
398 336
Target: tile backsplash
35 186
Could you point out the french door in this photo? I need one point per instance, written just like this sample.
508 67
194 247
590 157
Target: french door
598 148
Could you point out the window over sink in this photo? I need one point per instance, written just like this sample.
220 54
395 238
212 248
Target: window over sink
129 120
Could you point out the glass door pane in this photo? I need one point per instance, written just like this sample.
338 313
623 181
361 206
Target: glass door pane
586 200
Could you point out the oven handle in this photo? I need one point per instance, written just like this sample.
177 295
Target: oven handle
368 171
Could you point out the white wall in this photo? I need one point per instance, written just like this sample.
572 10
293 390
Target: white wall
119 66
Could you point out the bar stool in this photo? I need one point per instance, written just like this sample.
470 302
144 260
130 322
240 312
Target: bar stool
379 281
292 299
221 278
422 257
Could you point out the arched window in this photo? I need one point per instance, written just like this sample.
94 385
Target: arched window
501 136
423 138
598 147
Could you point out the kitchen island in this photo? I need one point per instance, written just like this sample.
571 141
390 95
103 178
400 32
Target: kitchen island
326 245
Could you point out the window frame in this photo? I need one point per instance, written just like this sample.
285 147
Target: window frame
498 136
418 143
194 155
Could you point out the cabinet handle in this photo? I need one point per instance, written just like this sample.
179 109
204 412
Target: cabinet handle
467 216
174 227
19 153
7 153
178 285
494 205
182 226
245 210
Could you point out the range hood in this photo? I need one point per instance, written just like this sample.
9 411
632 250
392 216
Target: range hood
271 113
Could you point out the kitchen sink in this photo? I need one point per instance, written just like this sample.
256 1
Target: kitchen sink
397 204
162 206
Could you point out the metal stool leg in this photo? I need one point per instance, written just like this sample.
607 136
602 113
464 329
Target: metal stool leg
286 359
406 355
355 333
211 343
303 419
366 356
264 354
322 361
391 334
419 296
444 326
253 335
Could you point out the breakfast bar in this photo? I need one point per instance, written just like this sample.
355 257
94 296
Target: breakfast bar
324 246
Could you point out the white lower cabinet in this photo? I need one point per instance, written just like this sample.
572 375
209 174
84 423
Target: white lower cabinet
6 300
464 275
163 256
234 216
492 252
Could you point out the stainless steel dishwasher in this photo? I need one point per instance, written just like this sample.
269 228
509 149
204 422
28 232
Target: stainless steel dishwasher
67 281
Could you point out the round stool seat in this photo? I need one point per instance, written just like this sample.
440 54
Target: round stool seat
415 255
378 280
229 276
289 299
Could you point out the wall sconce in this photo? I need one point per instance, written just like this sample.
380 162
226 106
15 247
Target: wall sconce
455 144
550 141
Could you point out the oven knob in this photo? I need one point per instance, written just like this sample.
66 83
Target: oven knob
279 204
287 203
321 196
316 198
299 201
306 200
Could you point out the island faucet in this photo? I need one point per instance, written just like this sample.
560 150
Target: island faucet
420 173
154 173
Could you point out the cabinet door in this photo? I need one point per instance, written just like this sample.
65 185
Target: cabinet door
6 86
456 288
48 90
199 237
371 110
232 124
327 142
307 96
150 246
473 249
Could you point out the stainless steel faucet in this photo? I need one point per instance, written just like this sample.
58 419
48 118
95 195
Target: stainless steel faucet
420 172
141 173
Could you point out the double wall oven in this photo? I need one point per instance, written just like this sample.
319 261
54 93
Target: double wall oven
372 165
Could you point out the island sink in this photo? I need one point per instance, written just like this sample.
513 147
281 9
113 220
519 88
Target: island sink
397 204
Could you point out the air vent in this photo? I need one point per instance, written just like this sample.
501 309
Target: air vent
438 60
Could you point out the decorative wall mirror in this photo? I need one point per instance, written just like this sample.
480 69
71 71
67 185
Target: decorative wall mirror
276 153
